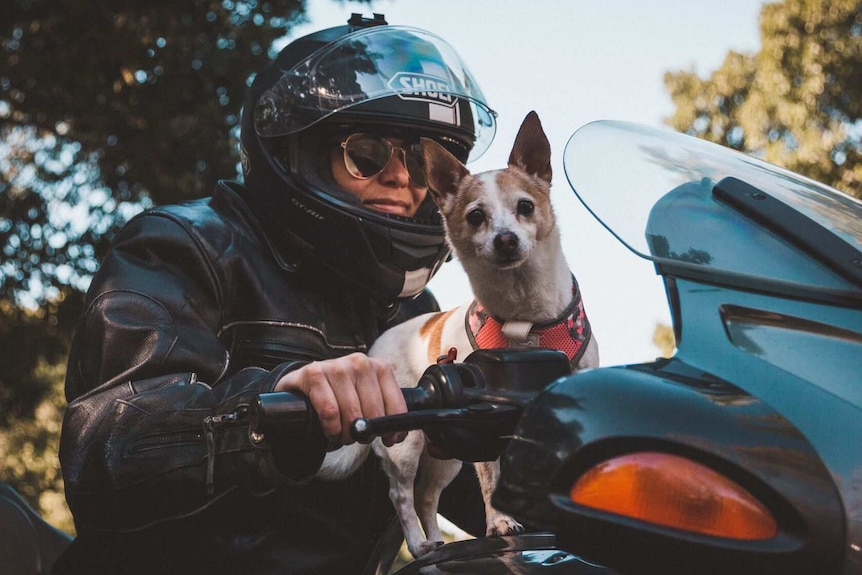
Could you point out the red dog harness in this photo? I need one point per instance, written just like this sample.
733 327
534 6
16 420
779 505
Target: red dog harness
570 333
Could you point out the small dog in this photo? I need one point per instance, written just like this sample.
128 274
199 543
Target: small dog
502 229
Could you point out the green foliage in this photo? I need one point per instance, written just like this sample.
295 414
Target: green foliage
664 339
796 103
33 351
30 339
28 452
108 107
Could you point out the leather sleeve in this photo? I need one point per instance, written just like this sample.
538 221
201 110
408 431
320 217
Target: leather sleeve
155 427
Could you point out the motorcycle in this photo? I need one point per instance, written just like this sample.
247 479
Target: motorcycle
740 454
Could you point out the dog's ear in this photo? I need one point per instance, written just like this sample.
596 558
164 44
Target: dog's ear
532 150
443 171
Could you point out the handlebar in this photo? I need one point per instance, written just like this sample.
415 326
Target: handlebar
469 407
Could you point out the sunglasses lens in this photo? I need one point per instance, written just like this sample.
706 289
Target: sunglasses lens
415 164
365 156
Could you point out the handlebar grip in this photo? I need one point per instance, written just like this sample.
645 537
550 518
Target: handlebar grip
278 409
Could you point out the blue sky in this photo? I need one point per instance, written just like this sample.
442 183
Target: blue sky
575 61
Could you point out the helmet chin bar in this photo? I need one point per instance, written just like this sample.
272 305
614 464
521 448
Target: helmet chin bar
414 282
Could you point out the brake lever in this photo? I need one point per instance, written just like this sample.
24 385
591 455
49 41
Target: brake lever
364 430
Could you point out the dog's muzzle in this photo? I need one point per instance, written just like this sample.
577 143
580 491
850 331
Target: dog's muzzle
507 248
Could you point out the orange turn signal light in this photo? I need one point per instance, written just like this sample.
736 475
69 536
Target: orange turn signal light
675 492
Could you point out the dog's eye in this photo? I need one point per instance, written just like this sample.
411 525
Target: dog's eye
525 208
475 217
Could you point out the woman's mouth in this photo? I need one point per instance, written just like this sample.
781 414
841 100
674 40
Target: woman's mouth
387 206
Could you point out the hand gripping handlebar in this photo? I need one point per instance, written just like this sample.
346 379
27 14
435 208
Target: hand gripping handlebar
467 407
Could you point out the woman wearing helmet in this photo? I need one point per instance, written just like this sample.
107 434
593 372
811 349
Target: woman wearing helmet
281 282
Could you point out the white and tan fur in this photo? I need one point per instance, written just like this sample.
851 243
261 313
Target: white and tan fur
516 268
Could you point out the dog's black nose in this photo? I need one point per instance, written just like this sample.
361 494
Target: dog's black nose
506 243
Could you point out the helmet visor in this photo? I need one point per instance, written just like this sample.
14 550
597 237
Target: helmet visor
418 67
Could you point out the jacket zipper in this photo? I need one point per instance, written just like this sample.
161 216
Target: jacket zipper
169 440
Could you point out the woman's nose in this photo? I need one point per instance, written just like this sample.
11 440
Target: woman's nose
395 171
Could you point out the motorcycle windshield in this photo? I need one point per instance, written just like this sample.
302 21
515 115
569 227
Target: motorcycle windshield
681 201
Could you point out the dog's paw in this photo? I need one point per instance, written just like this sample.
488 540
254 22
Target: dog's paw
425 547
503 525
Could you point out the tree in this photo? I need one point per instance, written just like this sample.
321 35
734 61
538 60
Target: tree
664 339
106 107
30 451
796 103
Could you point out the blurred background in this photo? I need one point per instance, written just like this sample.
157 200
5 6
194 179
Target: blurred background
108 108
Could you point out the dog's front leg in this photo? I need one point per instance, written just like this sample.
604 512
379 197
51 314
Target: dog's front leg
496 522
401 462
434 476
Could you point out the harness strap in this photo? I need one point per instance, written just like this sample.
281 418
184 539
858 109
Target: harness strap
570 333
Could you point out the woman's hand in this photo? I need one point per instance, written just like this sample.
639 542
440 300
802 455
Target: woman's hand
347 388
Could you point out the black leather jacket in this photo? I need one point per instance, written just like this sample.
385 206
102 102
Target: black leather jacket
189 317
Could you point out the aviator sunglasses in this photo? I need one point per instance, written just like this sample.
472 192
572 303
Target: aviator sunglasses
365 156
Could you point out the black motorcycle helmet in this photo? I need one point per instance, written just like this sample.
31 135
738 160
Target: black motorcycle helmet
363 77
